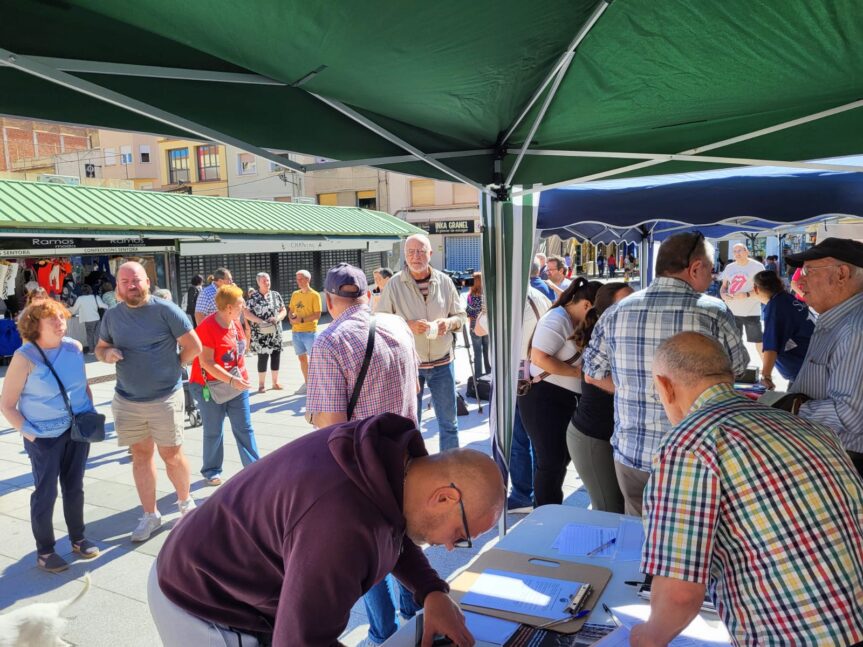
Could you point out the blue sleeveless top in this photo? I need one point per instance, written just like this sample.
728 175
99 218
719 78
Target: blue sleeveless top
41 402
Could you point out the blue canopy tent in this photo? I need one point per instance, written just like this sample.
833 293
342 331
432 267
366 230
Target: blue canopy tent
750 201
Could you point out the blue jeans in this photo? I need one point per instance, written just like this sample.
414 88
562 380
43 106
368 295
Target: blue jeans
480 354
213 415
381 609
520 465
441 381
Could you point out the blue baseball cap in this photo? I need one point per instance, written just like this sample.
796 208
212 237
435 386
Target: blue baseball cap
345 275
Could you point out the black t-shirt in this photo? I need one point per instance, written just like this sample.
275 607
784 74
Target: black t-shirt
595 414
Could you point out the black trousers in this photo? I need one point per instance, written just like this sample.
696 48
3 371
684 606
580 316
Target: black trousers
264 357
545 412
52 459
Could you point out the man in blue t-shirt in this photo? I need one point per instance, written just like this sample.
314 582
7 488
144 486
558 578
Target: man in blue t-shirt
141 336
788 327
537 282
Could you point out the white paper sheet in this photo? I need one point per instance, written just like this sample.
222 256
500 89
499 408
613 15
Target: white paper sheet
518 593
699 633
630 539
581 539
490 630
620 638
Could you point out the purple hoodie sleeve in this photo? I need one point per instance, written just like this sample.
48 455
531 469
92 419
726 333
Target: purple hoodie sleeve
414 571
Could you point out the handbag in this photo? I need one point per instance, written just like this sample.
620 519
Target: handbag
480 329
525 381
222 392
87 427
268 328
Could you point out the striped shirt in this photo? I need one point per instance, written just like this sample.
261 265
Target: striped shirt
832 373
623 344
337 356
766 510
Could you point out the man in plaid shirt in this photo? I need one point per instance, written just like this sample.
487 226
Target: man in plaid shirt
758 507
620 354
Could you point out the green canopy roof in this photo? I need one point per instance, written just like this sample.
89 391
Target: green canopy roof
35 206
648 78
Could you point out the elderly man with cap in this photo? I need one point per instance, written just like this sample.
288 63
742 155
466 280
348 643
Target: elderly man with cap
832 373
755 506
340 390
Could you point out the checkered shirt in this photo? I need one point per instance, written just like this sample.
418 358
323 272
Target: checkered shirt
623 344
832 373
337 356
765 509
206 302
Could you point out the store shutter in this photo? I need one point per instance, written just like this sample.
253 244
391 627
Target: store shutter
463 253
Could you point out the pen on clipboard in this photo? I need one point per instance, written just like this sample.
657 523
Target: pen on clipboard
602 547
614 618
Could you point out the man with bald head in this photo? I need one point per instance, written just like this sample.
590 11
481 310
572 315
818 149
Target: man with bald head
343 506
755 506
428 300
832 373
149 339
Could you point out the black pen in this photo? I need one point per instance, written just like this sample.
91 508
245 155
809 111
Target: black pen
614 618
633 583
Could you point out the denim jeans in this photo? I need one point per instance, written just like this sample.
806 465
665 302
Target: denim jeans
480 354
52 459
520 465
213 415
381 609
441 381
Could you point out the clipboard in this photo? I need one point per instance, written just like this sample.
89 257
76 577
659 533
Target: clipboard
596 576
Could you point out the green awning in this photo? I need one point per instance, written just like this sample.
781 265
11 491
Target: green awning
36 206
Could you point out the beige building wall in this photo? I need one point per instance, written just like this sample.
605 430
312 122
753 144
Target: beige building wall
216 186
144 169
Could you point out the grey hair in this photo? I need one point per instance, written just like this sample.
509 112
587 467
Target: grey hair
163 293
260 275
689 357
534 269
305 273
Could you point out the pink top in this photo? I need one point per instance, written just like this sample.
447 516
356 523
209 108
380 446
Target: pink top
794 279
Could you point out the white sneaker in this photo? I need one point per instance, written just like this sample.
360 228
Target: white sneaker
186 506
147 525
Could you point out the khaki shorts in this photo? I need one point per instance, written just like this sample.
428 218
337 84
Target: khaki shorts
162 420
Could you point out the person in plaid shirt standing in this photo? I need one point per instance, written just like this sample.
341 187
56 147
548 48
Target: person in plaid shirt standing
390 386
758 507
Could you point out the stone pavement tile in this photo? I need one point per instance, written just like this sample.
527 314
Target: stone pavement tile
125 574
17 539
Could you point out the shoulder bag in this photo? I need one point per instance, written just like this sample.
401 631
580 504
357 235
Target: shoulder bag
87 427
267 328
222 392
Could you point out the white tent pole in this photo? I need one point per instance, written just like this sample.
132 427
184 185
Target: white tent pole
539 117
743 161
395 159
692 151
398 141
562 61
25 64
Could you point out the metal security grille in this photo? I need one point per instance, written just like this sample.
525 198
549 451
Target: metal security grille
372 261
332 257
244 267
463 253
289 263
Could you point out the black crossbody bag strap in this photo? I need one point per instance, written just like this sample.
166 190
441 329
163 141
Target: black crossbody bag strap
56 377
370 347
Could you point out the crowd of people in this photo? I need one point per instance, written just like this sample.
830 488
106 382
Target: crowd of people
758 507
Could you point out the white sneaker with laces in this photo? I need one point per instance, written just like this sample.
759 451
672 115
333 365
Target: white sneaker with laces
147 525
186 506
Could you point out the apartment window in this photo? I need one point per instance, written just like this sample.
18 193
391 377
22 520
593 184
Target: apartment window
246 164
422 193
110 156
125 155
208 162
178 165
144 152
328 199
367 199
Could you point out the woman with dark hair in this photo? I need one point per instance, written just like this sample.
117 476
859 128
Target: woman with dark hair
555 373
474 308
589 434
788 327
195 287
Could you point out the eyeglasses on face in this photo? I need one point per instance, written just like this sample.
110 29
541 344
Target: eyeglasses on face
416 252
811 268
466 541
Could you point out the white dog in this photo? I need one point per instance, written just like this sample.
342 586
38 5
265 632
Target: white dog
38 625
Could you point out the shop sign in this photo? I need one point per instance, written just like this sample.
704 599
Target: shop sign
43 246
451 227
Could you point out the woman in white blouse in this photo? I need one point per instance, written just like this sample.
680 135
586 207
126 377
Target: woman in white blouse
87 308
555 370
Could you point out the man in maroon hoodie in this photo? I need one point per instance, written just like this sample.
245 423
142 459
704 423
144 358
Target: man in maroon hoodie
282 551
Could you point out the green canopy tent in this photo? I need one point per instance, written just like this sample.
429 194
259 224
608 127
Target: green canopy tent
510 97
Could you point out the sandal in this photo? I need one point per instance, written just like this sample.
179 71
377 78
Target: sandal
214 482
261 388
85 548
52 563
277 387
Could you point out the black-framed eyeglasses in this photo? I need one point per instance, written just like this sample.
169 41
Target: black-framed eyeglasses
698 238
465 542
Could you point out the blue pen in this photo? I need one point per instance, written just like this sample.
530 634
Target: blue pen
602 547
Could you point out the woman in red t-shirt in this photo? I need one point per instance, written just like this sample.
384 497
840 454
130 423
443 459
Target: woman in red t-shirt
220 383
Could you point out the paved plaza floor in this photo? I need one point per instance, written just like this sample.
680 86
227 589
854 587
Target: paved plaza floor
115 611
